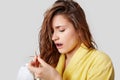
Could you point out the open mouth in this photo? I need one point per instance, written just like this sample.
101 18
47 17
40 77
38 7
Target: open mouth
59 45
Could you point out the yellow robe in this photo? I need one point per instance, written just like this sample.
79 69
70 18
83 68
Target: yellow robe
86 64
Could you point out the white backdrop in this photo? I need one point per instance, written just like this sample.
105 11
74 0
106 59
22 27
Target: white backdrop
20 21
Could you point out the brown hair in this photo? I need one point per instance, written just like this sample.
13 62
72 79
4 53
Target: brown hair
75 14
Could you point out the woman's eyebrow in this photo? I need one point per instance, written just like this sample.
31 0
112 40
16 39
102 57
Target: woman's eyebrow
57 27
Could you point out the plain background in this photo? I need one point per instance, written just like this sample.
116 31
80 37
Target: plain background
20 21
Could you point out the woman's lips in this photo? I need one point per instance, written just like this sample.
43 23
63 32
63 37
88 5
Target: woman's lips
59 45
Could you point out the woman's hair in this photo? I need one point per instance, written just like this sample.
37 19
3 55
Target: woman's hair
75 14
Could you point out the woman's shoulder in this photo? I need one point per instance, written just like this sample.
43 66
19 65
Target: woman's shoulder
102 57
101 66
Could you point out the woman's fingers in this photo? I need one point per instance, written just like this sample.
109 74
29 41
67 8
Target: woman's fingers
40 71
35 70
34 67
31 67
34 62
43 71
42 62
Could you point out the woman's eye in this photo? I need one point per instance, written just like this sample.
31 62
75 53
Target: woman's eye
62 30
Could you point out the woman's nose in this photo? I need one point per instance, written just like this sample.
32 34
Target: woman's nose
55 37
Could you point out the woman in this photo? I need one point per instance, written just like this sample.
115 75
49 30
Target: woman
67 50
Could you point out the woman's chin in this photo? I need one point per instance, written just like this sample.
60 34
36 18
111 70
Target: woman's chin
62 51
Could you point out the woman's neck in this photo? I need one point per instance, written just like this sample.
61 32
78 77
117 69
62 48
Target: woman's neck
69 55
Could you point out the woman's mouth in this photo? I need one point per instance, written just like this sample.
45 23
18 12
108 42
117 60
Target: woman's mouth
59 45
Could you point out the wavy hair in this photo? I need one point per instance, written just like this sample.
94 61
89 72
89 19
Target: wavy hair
75 14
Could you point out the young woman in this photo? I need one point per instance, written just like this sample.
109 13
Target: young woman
67 50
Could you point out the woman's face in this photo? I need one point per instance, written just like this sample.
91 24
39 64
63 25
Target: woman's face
64 35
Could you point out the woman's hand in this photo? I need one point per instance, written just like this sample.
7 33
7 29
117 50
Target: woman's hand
43 70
